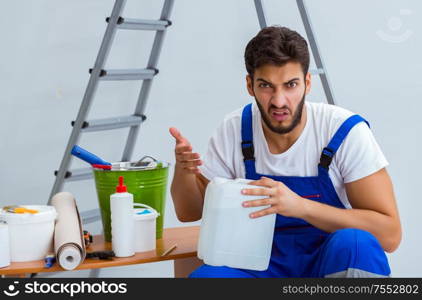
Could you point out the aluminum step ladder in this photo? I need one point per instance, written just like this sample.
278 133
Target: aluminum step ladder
321 71
81 124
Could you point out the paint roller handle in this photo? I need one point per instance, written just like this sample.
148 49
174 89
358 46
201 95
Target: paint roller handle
101 254
88 156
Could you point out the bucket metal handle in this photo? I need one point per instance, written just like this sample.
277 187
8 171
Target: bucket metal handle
139 162
145 206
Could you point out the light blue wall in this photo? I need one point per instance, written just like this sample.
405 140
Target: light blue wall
47 47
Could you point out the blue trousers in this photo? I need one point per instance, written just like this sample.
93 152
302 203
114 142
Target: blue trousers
343 253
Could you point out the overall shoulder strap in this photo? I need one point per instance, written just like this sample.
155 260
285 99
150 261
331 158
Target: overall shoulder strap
247 141
341 133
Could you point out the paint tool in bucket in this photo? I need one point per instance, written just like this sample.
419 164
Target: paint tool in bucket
99 163
88 157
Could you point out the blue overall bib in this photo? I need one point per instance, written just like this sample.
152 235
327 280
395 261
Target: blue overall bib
300 249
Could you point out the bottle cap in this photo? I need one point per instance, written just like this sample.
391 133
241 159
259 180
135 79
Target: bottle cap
121 188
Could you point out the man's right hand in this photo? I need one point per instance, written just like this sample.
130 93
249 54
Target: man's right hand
185 158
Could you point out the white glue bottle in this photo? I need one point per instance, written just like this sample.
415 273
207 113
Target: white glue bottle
122 223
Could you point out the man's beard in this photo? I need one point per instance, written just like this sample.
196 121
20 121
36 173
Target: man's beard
297 117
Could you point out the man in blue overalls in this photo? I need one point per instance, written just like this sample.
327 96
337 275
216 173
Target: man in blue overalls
319 166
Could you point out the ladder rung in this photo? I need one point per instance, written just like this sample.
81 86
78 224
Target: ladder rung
317 71
127 74
77 174
139 24
90 216
111 123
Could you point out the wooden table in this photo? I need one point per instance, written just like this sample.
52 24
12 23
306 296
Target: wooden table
184 255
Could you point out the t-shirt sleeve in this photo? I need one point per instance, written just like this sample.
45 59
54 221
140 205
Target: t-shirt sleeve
359 155
218 159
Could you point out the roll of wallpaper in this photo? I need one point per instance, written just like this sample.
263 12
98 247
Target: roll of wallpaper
4 245
69 245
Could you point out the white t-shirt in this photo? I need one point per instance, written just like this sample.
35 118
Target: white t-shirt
358 156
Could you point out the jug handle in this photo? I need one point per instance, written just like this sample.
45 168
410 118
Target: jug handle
145 206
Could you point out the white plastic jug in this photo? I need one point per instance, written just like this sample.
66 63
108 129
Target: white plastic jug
228 236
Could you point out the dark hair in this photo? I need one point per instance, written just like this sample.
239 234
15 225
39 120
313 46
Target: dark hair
276 45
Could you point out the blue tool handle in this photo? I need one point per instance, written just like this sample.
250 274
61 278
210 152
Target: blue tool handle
49 261
88 156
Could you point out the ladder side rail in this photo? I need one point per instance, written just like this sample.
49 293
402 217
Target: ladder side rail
146 84
261 13
88 96
315 50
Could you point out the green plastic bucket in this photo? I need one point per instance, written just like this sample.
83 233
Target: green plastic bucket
147 184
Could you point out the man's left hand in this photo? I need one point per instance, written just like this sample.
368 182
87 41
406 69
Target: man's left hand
283 201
